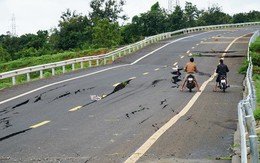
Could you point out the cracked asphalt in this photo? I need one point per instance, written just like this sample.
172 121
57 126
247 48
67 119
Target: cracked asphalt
61 123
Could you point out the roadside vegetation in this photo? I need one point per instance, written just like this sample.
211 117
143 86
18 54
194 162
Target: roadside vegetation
79 35
255 54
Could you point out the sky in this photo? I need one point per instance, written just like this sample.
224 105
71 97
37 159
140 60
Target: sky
30 16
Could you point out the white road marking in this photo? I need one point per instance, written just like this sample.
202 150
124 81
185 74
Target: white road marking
175 63
146 73
165 46
157 69
188 52
182 56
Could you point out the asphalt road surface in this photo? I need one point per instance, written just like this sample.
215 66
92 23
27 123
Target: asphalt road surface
141 117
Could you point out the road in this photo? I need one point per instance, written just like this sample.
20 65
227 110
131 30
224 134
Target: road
142 117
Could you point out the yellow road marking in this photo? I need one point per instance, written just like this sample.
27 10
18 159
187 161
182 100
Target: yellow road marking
76 108
132 78
238 42
182 56
116 84
40 124
175 63
146 73
156 69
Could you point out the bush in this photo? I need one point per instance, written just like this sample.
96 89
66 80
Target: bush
243 68
255 58
255 46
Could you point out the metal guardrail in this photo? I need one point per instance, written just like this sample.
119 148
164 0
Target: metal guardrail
246 115
102 59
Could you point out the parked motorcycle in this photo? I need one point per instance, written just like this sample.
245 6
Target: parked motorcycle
190 83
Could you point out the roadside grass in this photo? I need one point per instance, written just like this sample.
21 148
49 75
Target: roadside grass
45 59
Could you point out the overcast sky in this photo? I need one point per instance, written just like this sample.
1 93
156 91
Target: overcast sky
33 15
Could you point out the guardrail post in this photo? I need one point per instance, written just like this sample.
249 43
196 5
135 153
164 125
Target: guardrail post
97 62
13 80
249 125
105 61
249 111
53 71
73 66
81 65
41 74
113 57
242 135
119 54
254 155
28 76
63 69
89 64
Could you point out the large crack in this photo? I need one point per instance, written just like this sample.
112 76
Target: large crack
14 134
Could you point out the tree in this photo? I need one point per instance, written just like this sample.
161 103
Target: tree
107 9
106 34
177 20
213 16
72 31
191 14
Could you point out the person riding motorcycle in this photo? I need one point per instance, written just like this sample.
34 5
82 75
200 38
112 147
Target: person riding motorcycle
222 69
190 68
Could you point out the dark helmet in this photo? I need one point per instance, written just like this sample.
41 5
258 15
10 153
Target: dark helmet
221 60
192 59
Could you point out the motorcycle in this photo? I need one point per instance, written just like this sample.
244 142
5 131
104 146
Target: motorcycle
223 83
190 83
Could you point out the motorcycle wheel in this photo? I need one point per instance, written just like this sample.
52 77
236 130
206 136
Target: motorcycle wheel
224 87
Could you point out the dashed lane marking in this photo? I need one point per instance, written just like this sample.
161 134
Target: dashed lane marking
146 73
175 63
75 109
188 52
197 44
182 56
193 48
132 78
157 69
40 124
116 84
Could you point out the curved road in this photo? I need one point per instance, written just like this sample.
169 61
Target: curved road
142 116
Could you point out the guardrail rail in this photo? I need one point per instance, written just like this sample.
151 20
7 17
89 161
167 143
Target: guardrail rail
246 115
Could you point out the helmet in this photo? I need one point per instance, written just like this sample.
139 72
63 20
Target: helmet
192 59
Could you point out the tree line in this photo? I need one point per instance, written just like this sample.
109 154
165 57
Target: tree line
101 28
